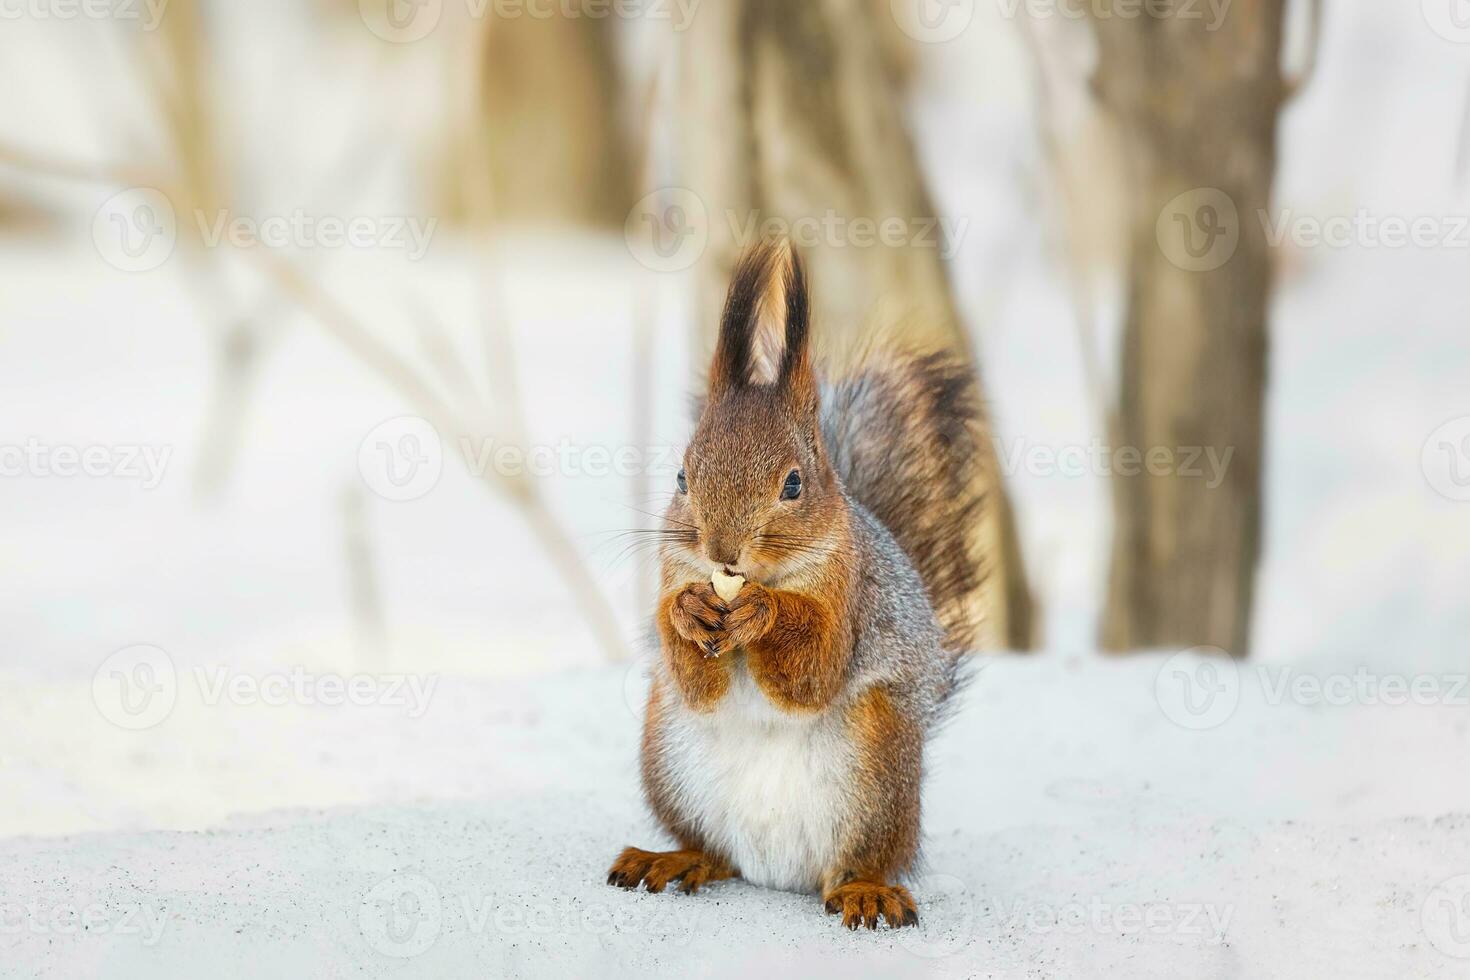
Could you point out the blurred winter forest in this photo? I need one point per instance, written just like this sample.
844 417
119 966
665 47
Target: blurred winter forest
355 334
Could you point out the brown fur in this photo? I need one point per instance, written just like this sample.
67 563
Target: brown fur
885 840
864 902
690 622
883 843
655 869
796 644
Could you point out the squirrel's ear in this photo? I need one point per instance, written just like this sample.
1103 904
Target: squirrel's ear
763 332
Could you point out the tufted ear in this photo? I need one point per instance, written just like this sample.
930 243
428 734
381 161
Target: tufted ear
765 326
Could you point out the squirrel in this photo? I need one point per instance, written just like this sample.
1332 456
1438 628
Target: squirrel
784 736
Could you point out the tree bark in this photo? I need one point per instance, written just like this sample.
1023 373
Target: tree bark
788 112
551 142
1198 112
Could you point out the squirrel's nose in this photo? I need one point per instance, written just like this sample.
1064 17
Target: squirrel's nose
722 552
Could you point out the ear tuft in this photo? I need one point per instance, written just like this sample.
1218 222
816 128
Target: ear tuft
763 332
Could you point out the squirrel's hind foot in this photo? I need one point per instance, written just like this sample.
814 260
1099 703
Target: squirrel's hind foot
864 902
690 869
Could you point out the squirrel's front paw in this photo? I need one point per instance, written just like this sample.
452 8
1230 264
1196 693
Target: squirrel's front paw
697 614
751 615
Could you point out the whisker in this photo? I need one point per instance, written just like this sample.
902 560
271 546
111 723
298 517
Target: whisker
661 517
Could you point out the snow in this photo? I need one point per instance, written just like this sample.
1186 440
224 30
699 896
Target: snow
1073 827
1296 825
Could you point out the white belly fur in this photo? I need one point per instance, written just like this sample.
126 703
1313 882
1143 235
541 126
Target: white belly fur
769 790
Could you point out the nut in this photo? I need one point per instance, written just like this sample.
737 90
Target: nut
727 587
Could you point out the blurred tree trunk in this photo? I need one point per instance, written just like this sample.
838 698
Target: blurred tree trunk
789 111
554 147
1197 111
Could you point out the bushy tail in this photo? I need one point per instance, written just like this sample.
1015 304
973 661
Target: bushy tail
905 434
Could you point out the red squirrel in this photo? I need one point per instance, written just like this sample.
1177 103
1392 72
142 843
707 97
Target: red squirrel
784 736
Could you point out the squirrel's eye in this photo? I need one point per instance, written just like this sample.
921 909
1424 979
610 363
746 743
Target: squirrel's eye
683 482
791 489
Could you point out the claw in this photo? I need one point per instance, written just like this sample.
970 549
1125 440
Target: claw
872 904
655 870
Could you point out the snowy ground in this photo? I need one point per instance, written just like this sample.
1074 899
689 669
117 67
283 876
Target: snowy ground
1083 814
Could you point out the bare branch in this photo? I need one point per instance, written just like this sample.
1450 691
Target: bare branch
1084 304
40 164
439 349
558 546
